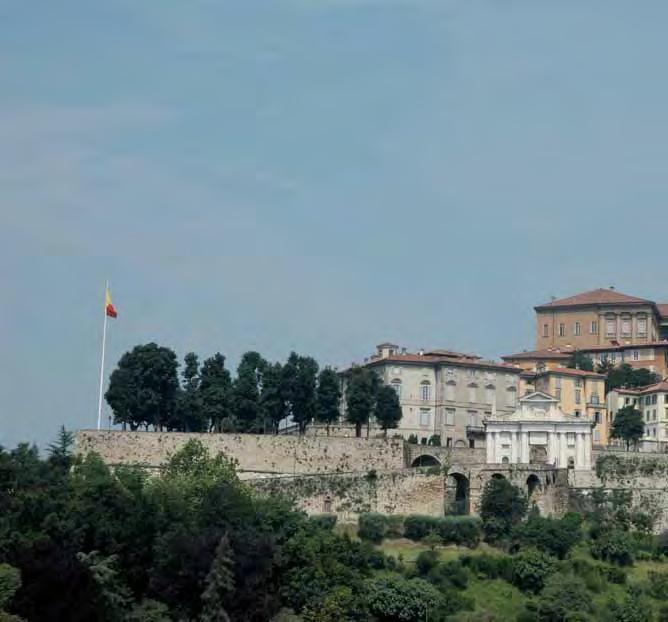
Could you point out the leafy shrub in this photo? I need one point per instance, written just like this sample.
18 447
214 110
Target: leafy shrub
613 574
372 527
413 439
489 566
417 527
426 561
450 575
395 526
662 543
614 546
563 598
634 608
552 535
397 599
461 530
531 568
658 585
435 440
323 521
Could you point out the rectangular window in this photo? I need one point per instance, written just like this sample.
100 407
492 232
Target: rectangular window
597 436
594 398
425 391
642 327
546 330
562 330
653 399
425 417
576 329
613 358
448 441
578 396
570 439
449 416
626 327
593 329
597 417
511 397
610 328
450 392
472 394
489 395
557 393
577 413
636 355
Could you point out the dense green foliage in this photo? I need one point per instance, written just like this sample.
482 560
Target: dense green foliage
625 375
580 360
502 507
628 425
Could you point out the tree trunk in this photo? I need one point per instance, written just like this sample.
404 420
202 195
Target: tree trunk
358 430
327 429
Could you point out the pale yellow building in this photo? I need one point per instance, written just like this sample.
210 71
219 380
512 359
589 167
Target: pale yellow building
579 393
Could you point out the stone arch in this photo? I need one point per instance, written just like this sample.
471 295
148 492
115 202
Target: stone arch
534 487
457 494
498 476
425 460
460 443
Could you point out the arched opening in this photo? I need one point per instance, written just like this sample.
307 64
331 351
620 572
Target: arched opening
457 494
571 463
505 460
533 486
460 443
425 460
498 476
327 505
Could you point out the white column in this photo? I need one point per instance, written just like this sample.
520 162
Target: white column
587 447
551 453
514 447
563 442
579 450
491 444
525 448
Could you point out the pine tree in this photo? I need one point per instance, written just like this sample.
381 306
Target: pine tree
360 398
246 392
219 584
272 403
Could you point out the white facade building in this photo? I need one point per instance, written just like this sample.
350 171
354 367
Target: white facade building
539 432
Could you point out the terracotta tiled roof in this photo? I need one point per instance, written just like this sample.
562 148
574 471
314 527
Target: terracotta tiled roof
432 359
663 309
553 353
567 371
652 388
452 354
625 346
596 297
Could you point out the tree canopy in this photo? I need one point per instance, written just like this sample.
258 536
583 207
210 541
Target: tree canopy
628 425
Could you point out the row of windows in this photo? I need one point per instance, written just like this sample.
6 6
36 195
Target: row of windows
473 417
610 328
450 389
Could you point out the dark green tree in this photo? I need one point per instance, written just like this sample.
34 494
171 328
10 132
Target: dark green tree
60 451
502 506
564 598
299 389
215 394
626 376
142 389
387 409
628 425
219 585
531 568
580 360
360 397
328 397
246 393
190 413
273 408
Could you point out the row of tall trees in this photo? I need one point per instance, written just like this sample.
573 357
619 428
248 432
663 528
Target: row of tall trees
145 390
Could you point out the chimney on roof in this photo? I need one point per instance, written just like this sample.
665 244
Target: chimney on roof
421 351
403 350
612 287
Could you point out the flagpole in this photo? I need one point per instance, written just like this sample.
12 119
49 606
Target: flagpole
104 342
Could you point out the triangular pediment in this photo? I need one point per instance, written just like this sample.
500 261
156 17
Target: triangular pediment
538 397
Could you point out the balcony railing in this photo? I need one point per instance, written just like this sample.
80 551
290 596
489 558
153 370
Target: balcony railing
475 430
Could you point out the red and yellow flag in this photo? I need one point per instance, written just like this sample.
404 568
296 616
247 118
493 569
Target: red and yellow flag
109 308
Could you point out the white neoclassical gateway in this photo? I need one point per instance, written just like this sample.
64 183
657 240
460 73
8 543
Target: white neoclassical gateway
539 432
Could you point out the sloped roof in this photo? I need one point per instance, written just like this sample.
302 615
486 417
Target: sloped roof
567 371
663 310
550 353
434 359
599 296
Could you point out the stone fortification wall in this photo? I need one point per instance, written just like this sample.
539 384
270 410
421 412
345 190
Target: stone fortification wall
645 476
409 491
256 453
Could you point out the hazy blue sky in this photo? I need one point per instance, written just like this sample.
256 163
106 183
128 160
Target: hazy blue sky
317 175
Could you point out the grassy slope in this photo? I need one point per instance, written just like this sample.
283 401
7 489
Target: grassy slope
499 599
